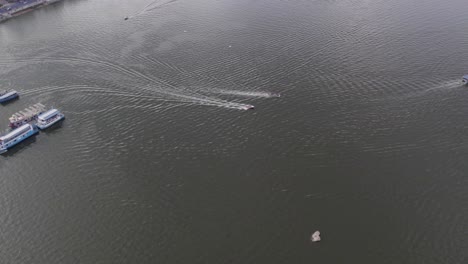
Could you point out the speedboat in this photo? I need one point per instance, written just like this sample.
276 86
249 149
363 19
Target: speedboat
248 107
16 136
6 96
49 118
465 80
126 18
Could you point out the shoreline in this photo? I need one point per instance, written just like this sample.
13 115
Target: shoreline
24 9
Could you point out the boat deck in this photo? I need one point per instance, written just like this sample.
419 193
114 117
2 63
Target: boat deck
28 112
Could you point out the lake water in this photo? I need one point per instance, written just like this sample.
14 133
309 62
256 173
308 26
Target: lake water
157 162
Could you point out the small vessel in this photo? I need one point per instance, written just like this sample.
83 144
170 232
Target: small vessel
6 96
49 118
16 136
248 107
465 79
126 18
315 237
28 115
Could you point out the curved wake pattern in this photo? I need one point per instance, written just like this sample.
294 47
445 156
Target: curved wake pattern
213 80
176 93
77 94
152 6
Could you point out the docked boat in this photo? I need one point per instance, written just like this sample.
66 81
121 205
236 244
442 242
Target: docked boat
6 96
16 136
28 115
465 79
49 118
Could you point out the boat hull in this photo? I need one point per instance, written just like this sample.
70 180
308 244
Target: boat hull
8 98
18 140
45 126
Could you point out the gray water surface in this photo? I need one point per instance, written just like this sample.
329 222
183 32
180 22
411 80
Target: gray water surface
157 162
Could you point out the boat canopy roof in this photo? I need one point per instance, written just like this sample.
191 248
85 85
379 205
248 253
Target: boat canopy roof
7 93
20 130
48 114
28 113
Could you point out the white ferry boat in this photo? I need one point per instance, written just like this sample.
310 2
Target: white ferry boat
6 96
49 118
28 115
16 136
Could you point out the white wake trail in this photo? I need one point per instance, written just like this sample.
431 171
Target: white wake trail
257 94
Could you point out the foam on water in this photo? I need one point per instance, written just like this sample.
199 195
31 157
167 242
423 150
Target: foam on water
247 94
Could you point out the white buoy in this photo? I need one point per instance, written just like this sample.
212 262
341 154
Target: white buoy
315 236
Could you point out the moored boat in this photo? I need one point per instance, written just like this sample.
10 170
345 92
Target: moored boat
465 79
6 96
16 136
49 118
28 115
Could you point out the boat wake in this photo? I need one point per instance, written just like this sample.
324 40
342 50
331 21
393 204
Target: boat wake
150 7
446 85
248 94
422 89
152 85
